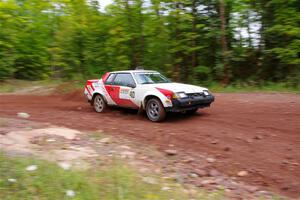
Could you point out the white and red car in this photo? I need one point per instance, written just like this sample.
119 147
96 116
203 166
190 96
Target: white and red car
145 90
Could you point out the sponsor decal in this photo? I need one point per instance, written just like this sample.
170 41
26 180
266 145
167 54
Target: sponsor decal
132 94
124 93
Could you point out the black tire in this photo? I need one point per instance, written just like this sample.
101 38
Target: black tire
155 110
99 104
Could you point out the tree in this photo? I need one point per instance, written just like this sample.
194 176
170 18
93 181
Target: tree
189 40
222 10
7 38
281 36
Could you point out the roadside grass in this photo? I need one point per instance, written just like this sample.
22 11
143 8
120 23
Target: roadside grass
243 87
15 84
95 135
49 181
61 87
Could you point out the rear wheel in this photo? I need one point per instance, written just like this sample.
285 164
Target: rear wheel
99 103
155 110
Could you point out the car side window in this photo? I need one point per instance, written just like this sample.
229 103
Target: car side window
110 79
124 79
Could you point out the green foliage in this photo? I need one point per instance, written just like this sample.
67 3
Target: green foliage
65 39
250 86
281 22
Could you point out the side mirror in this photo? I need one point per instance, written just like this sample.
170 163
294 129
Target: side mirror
131 85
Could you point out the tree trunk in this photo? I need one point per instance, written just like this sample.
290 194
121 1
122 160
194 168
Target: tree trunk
141 36
156 9
223 25
133 58
194 30
224 45
176 74
249 29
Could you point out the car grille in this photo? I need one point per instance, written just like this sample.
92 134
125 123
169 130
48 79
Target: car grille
192 95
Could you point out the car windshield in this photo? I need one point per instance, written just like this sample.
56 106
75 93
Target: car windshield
150 78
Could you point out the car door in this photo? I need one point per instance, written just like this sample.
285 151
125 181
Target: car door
110 88
121 90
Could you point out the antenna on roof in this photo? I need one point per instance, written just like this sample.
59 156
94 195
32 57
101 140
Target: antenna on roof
139 68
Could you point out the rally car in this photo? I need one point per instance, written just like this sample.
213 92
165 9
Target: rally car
145 90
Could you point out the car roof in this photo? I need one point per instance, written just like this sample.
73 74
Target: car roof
135 71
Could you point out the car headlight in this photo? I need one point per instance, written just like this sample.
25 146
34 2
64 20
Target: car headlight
180 95
206 93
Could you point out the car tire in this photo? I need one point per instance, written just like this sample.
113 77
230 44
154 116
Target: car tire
155 110
99 104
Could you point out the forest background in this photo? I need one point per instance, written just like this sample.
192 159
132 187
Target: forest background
224 42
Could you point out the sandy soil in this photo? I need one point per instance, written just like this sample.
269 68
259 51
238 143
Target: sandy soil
257 133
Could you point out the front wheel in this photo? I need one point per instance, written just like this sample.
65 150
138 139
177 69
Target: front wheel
99 103
155 110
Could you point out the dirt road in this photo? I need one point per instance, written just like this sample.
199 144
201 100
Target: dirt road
258 133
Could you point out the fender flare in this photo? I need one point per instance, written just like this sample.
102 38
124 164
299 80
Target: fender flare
147 98
154 94
97 93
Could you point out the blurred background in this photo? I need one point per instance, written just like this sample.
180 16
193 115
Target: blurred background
246 146
222 42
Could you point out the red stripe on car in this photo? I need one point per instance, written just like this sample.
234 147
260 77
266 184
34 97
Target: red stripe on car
88 90
105 76
167 93
90 83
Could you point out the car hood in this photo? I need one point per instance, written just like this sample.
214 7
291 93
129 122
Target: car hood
179 87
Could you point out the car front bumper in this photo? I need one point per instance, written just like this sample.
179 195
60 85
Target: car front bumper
190 103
